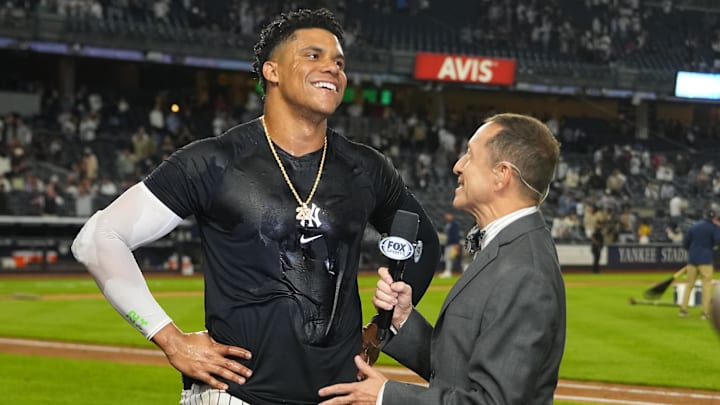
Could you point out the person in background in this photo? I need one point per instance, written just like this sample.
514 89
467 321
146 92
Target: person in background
674 233
715 312
50 201
628 224
4 201
453 251
644 231
500 334
699 241
597 242
281 203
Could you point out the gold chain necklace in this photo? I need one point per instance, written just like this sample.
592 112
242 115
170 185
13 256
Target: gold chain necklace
304 213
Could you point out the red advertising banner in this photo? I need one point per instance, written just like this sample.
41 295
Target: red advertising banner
468 69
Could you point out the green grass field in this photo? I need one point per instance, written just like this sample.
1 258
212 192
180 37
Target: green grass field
608 339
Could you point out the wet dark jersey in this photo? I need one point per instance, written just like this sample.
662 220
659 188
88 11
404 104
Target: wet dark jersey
285 290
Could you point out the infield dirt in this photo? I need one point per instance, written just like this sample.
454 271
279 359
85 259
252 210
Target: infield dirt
572 391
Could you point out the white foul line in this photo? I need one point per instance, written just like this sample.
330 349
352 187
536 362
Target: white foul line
638 391
159 353
604 401
79 346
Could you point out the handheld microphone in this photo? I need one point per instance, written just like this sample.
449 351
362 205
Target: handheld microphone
399 247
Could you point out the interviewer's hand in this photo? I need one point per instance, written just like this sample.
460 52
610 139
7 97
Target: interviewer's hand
364 392
198 356
391 294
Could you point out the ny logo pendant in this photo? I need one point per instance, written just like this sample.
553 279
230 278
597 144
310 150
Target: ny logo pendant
303 212
309 217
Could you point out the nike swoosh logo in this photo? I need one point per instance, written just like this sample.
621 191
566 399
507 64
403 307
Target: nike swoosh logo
304 240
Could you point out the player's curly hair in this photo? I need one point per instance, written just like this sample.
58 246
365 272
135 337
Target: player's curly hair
283 28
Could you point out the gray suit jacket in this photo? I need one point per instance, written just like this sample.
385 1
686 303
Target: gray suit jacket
500 334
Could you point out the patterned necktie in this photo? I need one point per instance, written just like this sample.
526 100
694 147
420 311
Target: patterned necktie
473 240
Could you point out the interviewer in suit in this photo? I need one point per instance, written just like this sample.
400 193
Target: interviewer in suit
500 334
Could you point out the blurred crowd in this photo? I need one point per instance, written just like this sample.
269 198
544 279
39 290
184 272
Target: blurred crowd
78 155
652 35
83 149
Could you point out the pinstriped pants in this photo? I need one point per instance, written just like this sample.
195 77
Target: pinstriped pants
203 394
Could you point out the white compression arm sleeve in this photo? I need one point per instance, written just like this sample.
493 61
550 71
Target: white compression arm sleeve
105 244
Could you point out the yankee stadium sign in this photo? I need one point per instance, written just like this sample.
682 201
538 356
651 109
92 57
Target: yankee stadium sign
646 255
461 68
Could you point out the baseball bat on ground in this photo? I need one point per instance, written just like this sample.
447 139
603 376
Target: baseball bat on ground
634 301
656 291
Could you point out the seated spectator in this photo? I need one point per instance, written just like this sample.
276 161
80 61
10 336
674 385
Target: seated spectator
572 178
4 203
6 186
125 164
572 223
144 146
644 231
107 188
677 206
628 222
71 186
635 164
667 191
5 163
167 147
615 182
49 202
84 200
559 230
23 133
652 191
156 118
674 233
664 172
89 125
611 227
589 219
89 165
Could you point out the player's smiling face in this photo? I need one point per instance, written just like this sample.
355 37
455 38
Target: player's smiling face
309 70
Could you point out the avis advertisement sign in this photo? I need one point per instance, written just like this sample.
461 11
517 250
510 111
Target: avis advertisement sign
467 69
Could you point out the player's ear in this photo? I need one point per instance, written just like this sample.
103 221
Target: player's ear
269 71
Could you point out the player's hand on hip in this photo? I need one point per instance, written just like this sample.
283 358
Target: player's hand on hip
391 294
199 356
